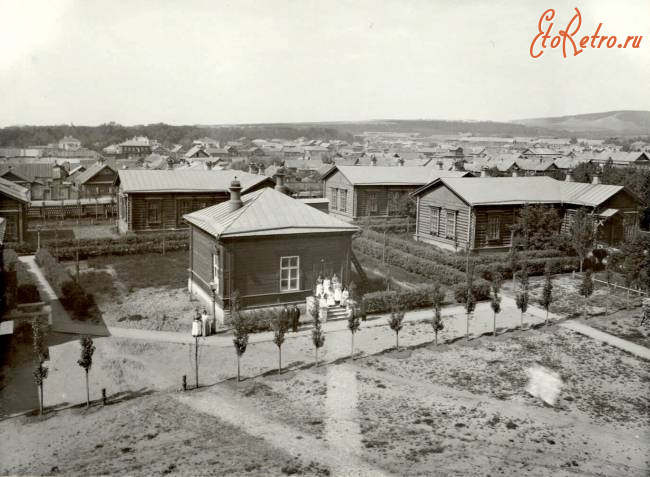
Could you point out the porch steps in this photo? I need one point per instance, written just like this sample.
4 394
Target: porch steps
337 313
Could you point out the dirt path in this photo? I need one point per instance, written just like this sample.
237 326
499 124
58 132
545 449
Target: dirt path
633 348
224 404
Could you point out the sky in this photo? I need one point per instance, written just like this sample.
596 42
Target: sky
87 62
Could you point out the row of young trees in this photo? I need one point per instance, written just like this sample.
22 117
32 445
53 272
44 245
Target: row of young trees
41 371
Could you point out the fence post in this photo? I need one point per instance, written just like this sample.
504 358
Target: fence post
104 396
184 382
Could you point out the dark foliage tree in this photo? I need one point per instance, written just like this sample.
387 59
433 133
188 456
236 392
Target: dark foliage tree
437 299
317 334
537 227
583 234
279 326
495 299
586 289
354 323
547 292
395 322
241 329
86 361
40 355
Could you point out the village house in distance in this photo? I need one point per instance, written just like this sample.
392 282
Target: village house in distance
157 200
265 245
477 213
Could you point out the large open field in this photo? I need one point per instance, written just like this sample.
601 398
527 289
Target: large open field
458 409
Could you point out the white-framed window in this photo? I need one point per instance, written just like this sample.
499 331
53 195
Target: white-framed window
289 273
451 224
435 220
493 227
215 269
335 197
343 200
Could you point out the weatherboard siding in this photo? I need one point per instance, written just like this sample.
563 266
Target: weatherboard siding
339 182
251 266
444 200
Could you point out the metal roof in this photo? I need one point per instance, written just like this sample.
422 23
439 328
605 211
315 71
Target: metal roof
92 171
14 190
266 212
522 190
378 175
185 180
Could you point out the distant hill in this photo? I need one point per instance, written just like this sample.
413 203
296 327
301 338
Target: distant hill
428 127
610 123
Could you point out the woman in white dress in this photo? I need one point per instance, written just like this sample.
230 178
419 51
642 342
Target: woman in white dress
345 295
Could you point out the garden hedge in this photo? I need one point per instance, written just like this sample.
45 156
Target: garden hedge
436 271
382 301
66 249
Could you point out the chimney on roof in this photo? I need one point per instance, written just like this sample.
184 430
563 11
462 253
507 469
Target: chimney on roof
235 195
484 172
170 163
260 169
279 180
250 168
569 176
440 164
208 165
515 173
373 160
596 178
400 161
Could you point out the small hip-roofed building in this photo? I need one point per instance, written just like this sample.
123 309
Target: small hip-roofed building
265 245
478 213
156 200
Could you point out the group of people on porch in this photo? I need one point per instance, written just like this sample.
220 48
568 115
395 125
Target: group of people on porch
331 292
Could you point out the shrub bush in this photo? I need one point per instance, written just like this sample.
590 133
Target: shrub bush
424 267
72 295
65 249
27 293
382 301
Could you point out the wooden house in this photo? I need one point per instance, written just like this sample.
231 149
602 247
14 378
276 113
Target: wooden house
265 245
155 200
14 201
478 213
360 192
97 181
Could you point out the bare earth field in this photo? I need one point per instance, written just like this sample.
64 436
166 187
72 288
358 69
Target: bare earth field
458 409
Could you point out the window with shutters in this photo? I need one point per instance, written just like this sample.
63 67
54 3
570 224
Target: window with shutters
289 273
451 224
154 213
493 227
435 221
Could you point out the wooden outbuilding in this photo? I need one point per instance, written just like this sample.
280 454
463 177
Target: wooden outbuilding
478 213
265 245
156 200
14 202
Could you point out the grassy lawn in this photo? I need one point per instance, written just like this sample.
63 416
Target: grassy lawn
625 324
141 291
